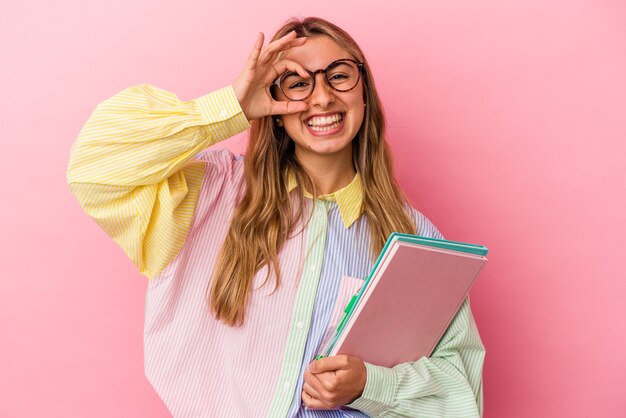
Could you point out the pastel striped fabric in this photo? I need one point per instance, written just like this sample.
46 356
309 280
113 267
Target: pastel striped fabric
138 169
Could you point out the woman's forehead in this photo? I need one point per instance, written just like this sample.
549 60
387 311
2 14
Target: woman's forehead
317 52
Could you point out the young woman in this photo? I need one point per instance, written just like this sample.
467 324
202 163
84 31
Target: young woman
250 259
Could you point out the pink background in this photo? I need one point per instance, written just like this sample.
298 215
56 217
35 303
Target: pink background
508 122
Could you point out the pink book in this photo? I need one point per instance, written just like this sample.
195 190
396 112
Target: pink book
415 289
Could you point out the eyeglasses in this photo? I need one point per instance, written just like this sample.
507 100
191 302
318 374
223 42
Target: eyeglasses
342 75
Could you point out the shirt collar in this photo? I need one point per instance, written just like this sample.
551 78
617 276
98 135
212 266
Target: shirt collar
349 199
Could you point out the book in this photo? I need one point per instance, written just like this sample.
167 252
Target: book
408 300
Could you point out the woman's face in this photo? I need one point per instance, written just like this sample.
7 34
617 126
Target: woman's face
333 118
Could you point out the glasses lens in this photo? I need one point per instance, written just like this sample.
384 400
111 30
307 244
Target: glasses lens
343 75
295 86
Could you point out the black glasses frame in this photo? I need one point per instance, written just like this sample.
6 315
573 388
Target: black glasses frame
278 81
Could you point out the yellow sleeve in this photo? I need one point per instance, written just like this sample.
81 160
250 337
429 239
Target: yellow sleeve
132 168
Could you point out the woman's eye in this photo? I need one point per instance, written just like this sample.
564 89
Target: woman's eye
298 85
339 77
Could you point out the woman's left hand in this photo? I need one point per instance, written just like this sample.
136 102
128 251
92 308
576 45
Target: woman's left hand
333 381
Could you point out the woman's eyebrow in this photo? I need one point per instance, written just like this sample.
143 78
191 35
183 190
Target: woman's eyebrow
326 66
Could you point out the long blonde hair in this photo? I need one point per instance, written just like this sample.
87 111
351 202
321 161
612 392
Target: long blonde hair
264 218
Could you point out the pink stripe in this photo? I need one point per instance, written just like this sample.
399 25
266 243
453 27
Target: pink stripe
198 366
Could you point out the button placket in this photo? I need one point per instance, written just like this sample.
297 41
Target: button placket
303 310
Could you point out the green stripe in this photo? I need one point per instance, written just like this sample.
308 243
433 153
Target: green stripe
303 310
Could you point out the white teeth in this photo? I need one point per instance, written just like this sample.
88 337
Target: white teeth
324 128
324 120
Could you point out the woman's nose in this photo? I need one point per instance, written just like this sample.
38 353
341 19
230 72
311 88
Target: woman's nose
322 94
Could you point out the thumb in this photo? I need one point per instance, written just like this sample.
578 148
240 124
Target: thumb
285 108
327 364
313 367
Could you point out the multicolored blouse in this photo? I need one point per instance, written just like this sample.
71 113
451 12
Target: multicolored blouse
139 168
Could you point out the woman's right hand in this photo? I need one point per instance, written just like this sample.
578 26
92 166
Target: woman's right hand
261 69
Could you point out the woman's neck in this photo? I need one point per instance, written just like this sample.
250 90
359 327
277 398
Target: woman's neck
329 172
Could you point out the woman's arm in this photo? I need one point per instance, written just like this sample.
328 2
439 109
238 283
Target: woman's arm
132 167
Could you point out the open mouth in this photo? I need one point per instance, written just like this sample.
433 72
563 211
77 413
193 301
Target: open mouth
324 124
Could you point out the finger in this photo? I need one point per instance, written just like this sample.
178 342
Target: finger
340 362
288 41
281 42
256 51
284 65
312 392
311 402
329 382
286 108
313 382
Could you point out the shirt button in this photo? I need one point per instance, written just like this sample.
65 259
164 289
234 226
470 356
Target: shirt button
223 114
286 385
312 268
300 325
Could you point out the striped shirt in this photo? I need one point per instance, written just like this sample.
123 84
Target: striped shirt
139 168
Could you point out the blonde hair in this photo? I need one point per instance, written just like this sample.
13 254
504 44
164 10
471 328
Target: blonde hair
264 218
